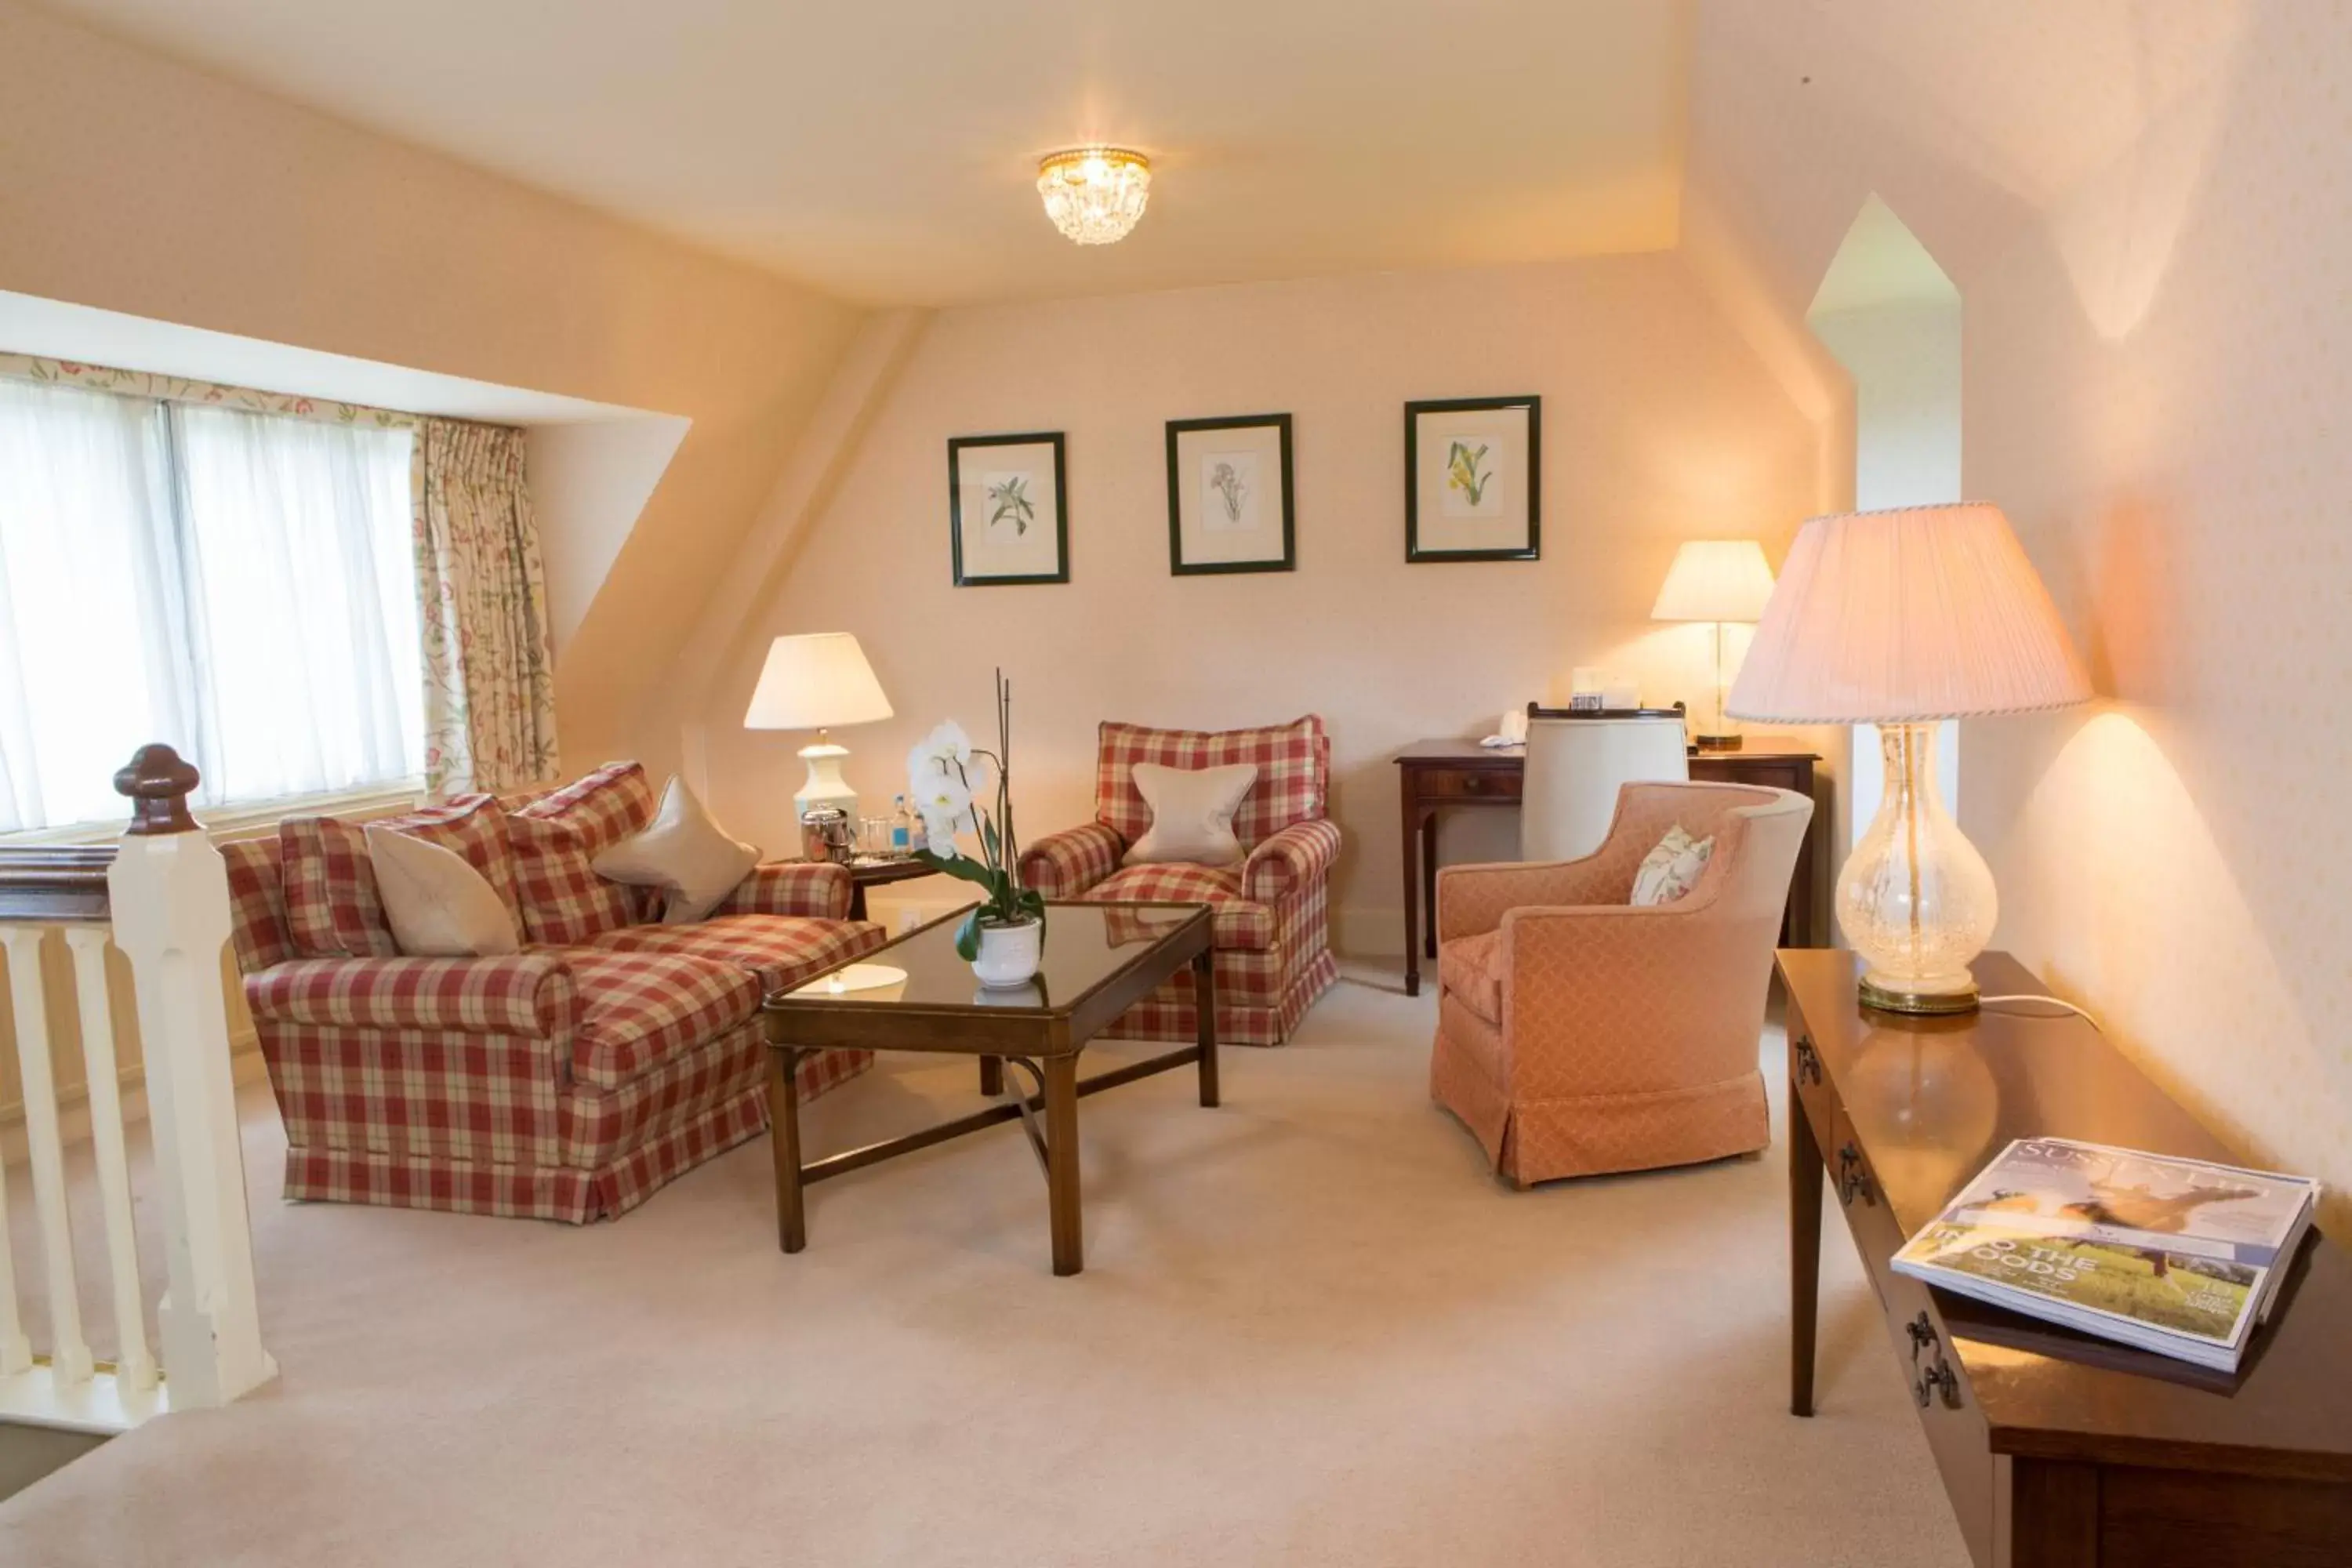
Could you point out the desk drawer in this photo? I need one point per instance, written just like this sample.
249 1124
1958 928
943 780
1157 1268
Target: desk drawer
1467 783
1930 1366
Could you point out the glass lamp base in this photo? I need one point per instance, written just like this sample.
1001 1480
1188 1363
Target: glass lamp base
1915 898
1892 996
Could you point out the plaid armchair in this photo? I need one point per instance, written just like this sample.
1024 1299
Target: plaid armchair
1271 926
568 1081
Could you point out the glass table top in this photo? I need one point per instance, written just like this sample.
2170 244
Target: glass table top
1086 945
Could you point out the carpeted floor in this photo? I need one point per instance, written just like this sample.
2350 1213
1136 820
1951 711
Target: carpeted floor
1312 1329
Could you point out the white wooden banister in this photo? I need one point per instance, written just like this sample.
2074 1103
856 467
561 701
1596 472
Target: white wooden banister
161 897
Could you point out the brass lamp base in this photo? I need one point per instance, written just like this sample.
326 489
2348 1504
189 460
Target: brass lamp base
1930 1003
1718 743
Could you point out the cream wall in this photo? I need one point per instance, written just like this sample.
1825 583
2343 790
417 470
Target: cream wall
2146 210
1659 424
136 185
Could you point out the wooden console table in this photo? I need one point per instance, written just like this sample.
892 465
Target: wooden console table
2056 1451
1433 776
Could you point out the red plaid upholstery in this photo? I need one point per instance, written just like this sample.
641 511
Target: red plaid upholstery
431 1093
331 908
1065 864
1237 922
1301 854
640 1008
525 994
565 902
1293 764
256 904
603 807
1261 995
577 1155
818 889
782 951
566 1082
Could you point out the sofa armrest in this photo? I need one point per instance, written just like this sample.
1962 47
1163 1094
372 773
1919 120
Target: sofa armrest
526 993
818 889
1064 865
1300 856
1472 899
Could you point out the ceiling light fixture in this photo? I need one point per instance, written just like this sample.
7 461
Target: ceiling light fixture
1095 195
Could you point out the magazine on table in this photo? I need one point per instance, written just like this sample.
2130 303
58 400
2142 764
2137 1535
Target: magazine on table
2180 1257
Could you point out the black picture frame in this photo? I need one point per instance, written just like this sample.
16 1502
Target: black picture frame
1415 550
957 447
1177 430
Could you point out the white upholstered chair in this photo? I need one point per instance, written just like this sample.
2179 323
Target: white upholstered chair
1575 768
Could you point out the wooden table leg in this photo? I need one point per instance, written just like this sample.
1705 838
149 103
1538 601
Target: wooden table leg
1204 1031
785 1128
1429 885
1410 847
1804 1251
1062 1164
991 1076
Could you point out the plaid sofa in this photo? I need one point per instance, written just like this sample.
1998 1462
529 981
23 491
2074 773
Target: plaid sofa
1271 927
568 1081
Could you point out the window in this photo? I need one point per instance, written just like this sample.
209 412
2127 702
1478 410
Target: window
239 585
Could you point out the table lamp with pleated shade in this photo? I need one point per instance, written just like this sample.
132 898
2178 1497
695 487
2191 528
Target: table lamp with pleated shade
1902 619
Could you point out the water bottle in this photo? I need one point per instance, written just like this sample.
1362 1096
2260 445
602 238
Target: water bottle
902 828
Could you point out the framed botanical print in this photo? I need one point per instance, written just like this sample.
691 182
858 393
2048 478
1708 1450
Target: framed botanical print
1473 478
1229 495
1009 520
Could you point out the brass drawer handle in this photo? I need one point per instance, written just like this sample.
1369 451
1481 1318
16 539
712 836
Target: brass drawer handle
1853 1182
1938 1379
1809 1061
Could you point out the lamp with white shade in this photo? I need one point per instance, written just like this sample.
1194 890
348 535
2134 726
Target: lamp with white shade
1903 618
1726 580
821 681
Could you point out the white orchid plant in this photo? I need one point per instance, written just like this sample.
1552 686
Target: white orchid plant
939 774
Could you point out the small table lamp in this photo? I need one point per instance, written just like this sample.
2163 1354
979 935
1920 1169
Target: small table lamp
1905 618
1724 581
815 682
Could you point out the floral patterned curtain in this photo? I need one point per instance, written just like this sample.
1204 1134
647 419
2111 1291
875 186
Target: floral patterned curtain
489 675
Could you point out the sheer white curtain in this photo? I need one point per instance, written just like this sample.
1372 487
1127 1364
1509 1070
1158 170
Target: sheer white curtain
239 584
302 576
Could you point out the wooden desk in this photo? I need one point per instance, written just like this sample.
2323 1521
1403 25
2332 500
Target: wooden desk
2056 1451
1433 776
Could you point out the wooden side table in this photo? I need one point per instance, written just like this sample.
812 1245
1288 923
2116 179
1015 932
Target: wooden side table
2056 1449
1433 776
865 873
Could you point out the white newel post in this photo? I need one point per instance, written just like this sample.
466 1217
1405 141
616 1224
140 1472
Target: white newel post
169 891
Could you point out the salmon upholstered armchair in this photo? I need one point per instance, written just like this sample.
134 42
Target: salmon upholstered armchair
1579 1034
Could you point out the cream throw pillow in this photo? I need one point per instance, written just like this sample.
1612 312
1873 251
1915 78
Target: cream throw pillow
437 905
683 851
1192 814
1672 869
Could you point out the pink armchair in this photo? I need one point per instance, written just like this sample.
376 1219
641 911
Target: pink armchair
1577 1034
1271 927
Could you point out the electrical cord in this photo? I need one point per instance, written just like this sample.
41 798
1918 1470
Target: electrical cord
1987 1003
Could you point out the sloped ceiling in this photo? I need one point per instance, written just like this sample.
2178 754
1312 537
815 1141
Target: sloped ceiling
887 153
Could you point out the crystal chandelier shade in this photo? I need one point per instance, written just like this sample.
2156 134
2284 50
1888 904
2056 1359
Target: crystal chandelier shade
1095 195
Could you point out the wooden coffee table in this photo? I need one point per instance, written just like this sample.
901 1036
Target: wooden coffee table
1099 961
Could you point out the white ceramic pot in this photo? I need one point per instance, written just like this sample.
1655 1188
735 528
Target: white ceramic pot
1009 954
